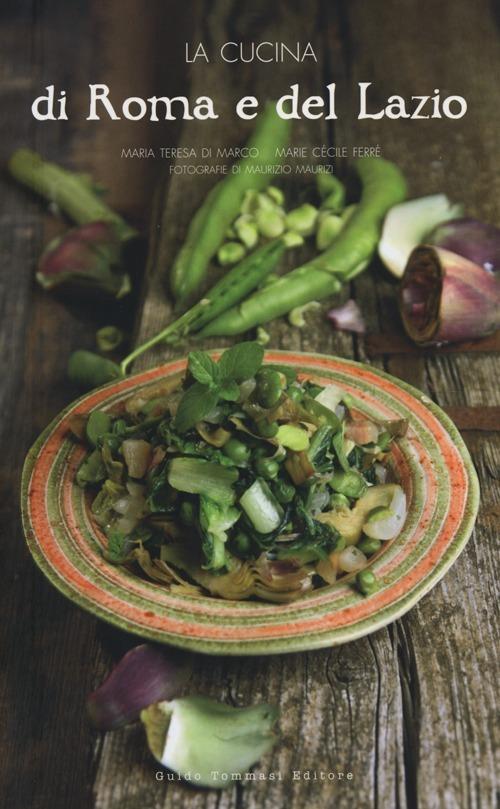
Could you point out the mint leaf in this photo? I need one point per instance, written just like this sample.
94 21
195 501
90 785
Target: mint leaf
241 361
203 368
229 391
196 403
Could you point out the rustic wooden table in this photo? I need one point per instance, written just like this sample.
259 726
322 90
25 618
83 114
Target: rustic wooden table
408 710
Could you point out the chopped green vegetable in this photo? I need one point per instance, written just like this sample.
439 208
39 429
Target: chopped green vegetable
293 436
215 521
98 423
91 470
263 510
198 476
350 483
230 481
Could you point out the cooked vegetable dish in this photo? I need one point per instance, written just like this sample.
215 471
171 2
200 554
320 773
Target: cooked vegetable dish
242 480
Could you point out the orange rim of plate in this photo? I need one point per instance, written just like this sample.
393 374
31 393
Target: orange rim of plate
432 463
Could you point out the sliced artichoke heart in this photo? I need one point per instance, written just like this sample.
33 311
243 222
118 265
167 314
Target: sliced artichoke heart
205 741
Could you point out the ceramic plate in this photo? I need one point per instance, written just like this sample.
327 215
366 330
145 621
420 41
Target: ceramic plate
432 463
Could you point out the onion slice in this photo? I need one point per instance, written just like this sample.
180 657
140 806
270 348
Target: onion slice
347 317
386 523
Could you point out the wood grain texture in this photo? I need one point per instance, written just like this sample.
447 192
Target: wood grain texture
52 652
409 711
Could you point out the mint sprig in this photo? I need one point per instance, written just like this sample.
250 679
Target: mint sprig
203 368
216 380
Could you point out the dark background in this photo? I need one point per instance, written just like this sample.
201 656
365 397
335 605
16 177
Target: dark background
409 710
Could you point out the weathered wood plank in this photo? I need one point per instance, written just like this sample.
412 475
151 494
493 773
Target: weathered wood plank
52 652
450 732
396 343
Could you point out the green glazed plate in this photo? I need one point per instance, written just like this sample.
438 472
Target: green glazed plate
433 466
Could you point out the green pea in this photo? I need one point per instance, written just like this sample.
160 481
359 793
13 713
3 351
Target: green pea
369 546
267 468
295 393
241 543
269 387
339 501
114 442
284 492
351 483
267 429
236 450
366 581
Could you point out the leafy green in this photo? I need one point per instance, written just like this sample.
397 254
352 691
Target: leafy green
102 507
198 476
91 470
241 362
313 532
215 521
216 381
230 391
338 446
117 549
319 447
203 368
196 403
115 469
